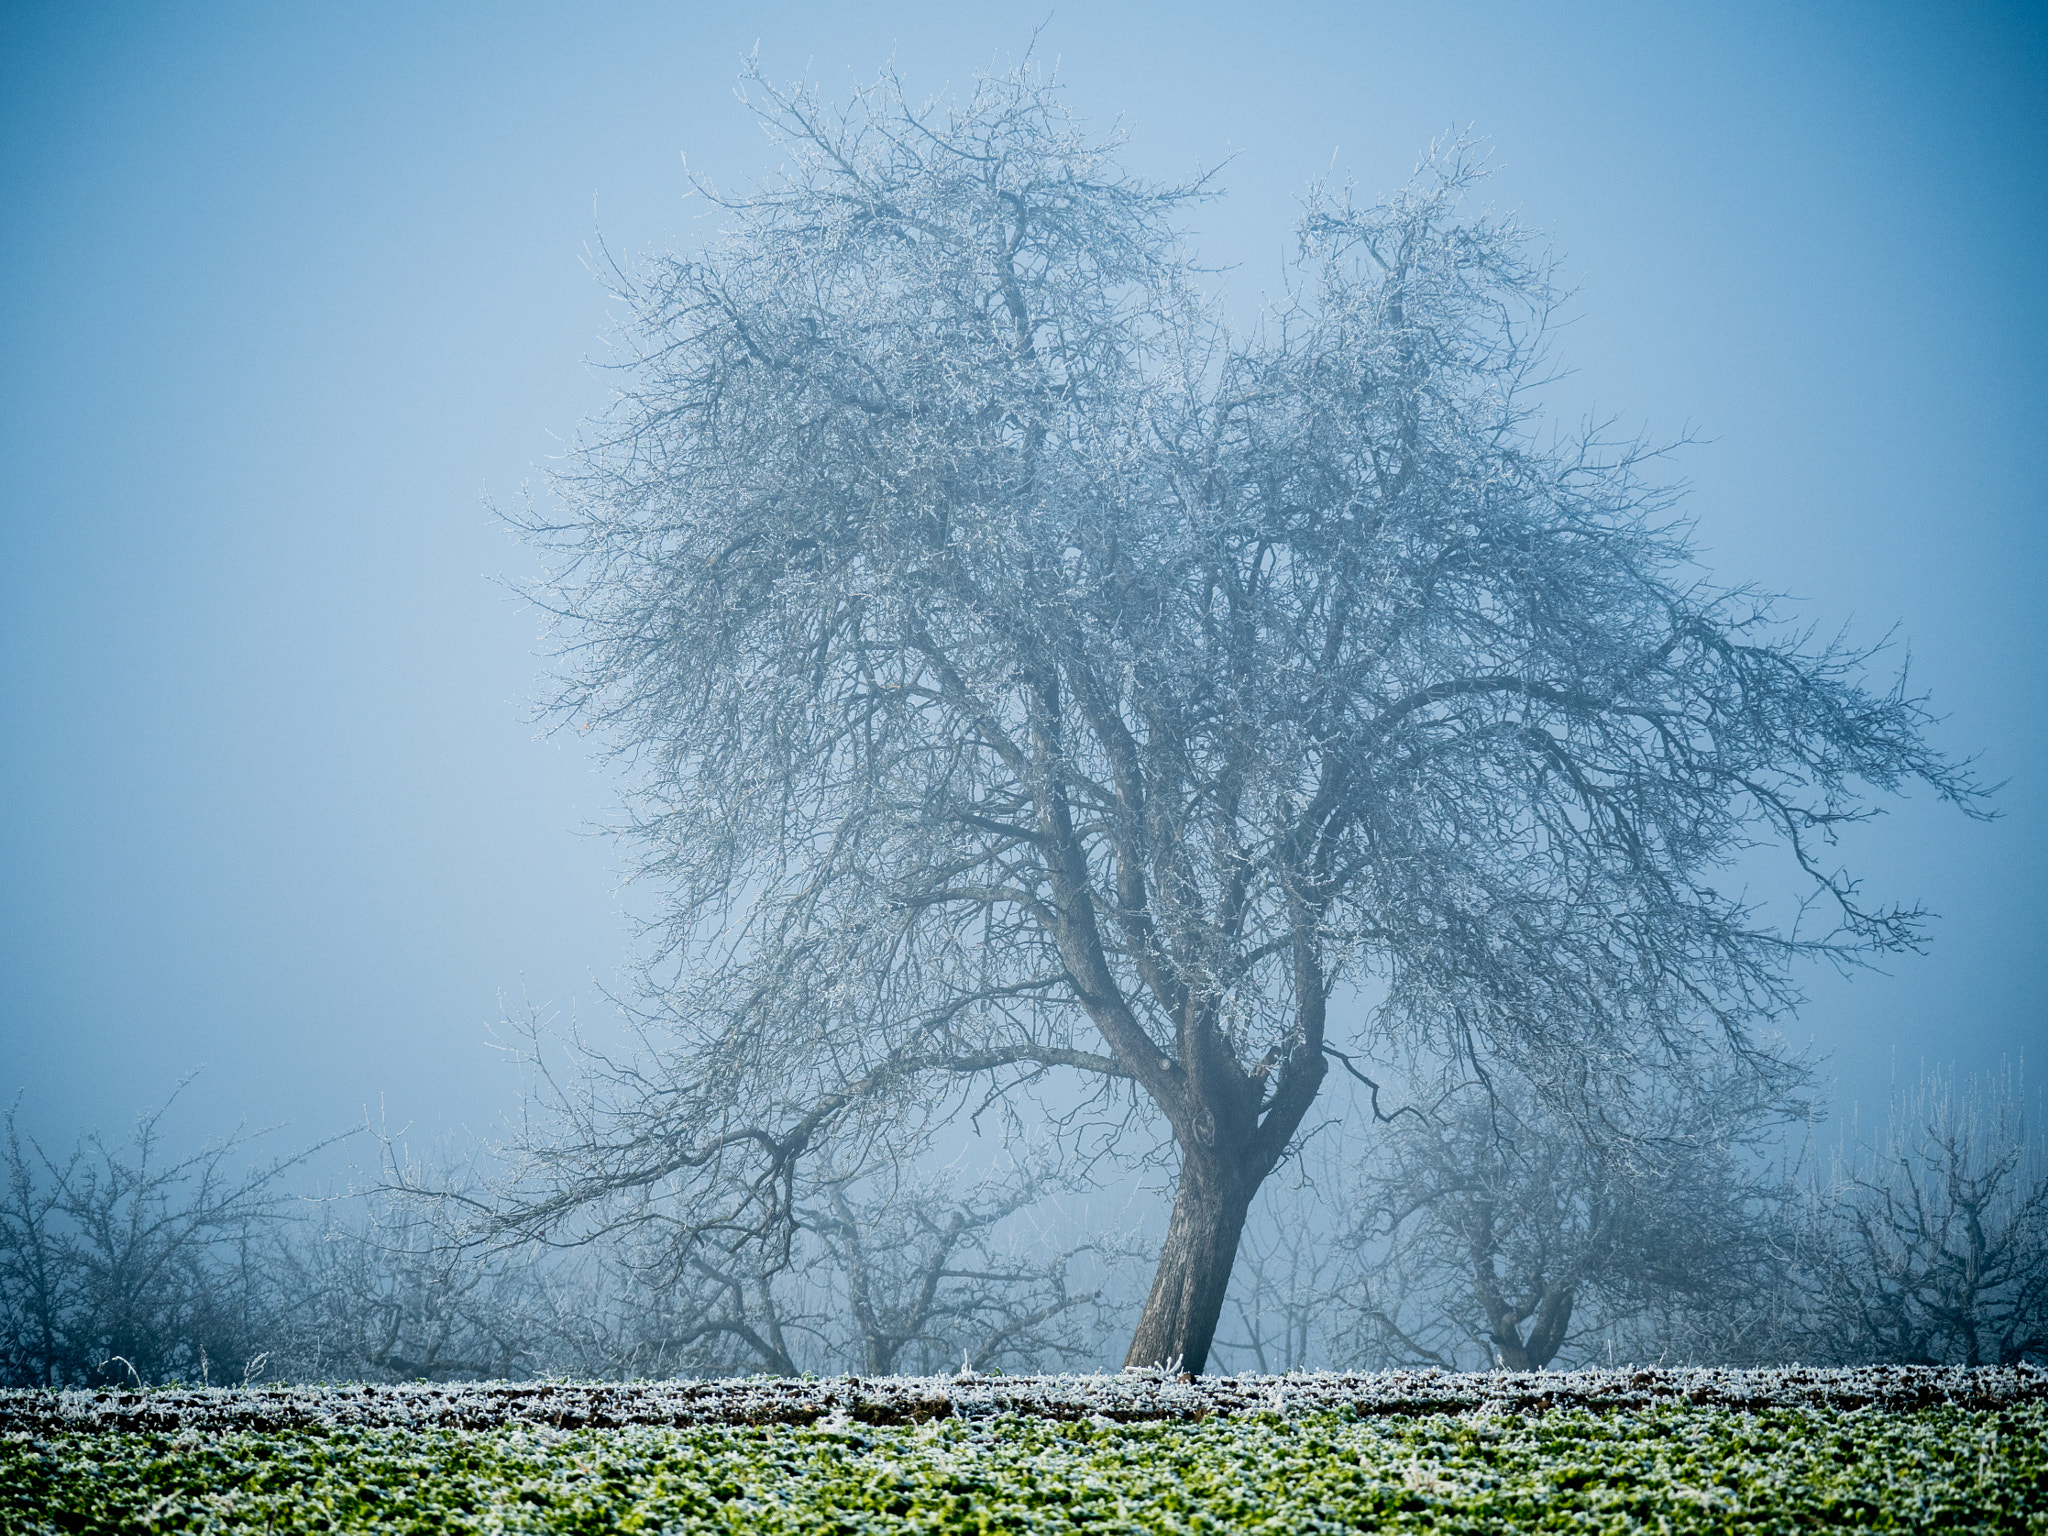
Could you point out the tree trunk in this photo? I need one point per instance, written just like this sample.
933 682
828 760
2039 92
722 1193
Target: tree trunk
1546 1331
1180 1316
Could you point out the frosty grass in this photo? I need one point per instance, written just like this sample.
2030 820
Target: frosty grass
1605 1451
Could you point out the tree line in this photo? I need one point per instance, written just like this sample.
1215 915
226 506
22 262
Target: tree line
1487 1236
1494 1239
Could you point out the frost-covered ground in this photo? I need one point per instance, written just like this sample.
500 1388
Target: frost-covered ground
1682 1451
1130 1397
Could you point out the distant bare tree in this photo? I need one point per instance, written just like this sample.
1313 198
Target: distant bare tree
1021 677
381 1293
885 1271
933 1282
883 1274
1517 1232
1932 1246
119 1264
1496 1231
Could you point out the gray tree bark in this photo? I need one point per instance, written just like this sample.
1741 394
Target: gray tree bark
1178 1324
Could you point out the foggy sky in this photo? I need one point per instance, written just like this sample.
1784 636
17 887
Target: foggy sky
291 292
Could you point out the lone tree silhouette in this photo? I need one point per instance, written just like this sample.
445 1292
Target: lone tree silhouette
1021 674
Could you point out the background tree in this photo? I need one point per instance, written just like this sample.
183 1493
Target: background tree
1022 676
1486 1231
377 1287
119 1264
889 1273
1292 1283
1506 1232
1931 1247
122 1265
937 1282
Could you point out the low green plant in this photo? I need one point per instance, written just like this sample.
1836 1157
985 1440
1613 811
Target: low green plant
1671 1467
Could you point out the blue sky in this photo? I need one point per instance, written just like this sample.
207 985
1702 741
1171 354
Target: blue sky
290 292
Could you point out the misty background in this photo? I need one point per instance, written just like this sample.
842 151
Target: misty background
292 298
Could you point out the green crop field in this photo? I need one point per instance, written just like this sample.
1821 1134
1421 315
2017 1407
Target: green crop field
1665 1463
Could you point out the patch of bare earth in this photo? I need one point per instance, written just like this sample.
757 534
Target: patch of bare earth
1128 1397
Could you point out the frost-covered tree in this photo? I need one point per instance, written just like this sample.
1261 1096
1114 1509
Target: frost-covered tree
1492 1230
1503 1234
883 1273
936 1281
121 1264
1931 1246
1021 676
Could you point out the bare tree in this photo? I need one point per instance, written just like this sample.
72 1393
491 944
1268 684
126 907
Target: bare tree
379 1292
1021 677
936 1280
1501 1228
884 1273
118 1263
1932 1246
1493 1231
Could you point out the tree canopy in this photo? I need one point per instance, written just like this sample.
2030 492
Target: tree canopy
1019 673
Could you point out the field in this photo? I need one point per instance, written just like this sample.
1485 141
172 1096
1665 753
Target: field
1615 1451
